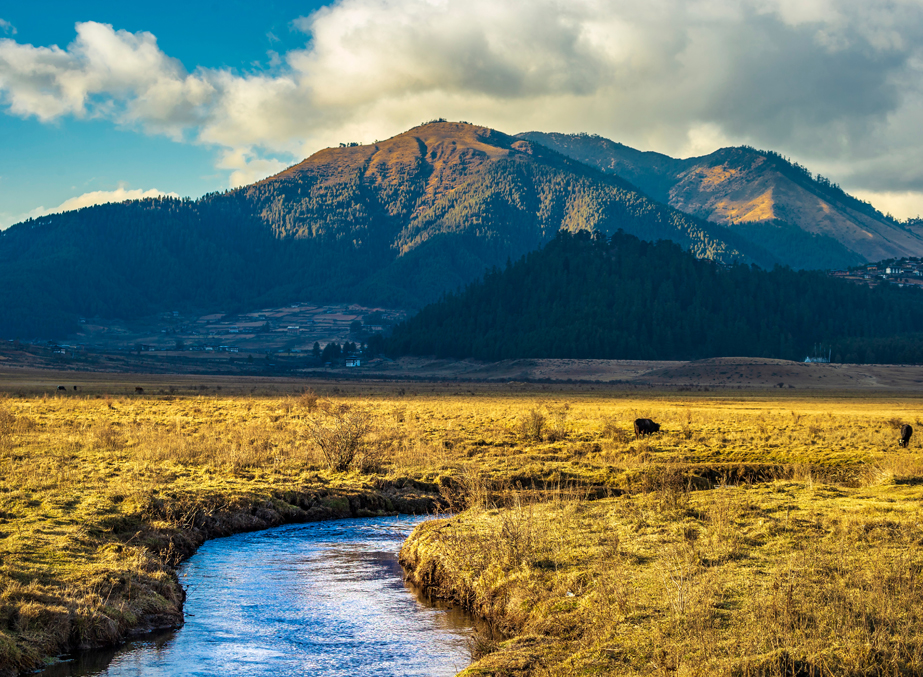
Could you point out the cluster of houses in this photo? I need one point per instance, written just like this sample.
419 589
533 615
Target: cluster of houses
906 272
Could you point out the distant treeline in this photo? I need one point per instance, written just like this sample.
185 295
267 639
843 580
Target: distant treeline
589 296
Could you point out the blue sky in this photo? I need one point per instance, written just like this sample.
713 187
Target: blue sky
103 100
43 164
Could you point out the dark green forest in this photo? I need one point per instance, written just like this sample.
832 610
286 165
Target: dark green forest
590 296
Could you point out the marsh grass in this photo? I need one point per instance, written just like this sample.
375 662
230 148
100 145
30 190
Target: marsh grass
773 579
88 487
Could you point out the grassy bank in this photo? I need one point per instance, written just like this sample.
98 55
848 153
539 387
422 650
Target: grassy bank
100 497
816 573
772 579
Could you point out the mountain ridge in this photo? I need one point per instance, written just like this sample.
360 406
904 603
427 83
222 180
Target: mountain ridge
741 187
396 223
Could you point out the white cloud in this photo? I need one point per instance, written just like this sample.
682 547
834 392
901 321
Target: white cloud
247 167
7 27
902 205
836 85
96 197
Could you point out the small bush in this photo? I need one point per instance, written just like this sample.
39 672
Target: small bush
7 421
532 426
107 436
558 423
309 401
340 434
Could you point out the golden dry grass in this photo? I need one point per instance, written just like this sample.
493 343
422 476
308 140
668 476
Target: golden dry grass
770 579
96 491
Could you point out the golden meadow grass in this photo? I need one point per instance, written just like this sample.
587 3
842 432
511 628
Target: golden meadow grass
89 486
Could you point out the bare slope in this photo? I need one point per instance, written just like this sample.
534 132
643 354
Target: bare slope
759 195
447 178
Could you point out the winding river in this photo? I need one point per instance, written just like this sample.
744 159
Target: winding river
324 599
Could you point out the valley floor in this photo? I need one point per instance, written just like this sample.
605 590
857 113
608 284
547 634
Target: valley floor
756 532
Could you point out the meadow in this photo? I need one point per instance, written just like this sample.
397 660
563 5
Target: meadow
753 533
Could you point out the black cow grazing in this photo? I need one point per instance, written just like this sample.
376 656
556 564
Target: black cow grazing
75 387
906 432
61 388
139 389
645 426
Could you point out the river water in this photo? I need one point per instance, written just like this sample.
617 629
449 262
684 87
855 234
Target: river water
323 599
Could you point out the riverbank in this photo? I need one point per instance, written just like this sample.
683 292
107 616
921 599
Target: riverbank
101 496
774 579
101 499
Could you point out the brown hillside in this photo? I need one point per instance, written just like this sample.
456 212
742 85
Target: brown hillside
442 154
737 186
451 178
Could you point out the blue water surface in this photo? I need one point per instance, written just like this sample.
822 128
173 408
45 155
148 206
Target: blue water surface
323 599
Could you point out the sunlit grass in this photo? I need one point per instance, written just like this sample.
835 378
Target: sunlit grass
99 496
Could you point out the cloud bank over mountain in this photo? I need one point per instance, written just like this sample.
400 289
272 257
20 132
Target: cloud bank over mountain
836 85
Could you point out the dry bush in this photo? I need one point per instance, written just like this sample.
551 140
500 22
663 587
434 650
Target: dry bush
557 423
250 447
7 427
481 643
531 427
7 420
476 486
340 433
309 400
517 535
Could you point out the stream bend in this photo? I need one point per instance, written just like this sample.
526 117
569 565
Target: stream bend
324 598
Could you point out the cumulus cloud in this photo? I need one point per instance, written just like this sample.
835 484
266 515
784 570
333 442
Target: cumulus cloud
7 27
835 85
96 197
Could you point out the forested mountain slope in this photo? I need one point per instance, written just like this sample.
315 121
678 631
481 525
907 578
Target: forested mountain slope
805 220
587 296
396 223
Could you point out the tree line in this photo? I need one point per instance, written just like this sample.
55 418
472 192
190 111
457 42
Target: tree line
590 296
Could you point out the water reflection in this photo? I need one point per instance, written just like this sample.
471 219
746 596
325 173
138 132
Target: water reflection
315 599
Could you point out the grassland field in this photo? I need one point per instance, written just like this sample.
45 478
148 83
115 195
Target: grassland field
757 534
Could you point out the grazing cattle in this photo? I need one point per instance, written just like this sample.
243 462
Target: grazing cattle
906 432
139 389
61 388
645 426
75 387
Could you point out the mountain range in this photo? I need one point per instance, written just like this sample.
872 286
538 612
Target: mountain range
805 220
402 221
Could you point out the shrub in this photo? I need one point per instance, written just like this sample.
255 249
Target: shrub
340 433
558 418
309 400
107 436
532 425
